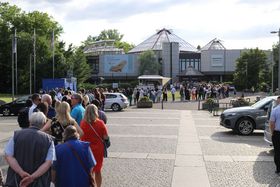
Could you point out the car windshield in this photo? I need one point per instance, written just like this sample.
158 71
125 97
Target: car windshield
260 103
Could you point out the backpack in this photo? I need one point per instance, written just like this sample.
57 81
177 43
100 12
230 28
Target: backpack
23 117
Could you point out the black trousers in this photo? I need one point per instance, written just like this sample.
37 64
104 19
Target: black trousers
276 145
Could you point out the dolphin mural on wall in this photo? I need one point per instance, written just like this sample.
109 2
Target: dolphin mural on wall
119 66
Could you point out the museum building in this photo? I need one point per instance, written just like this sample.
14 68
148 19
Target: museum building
179 59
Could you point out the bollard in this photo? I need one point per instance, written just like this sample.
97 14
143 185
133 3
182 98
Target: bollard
162 104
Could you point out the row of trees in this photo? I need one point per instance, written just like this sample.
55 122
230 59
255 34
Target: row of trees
253 69
13 18
66 57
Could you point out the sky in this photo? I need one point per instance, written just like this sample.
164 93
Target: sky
237 23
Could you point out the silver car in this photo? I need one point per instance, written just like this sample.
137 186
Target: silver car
267 133
243 120
115 101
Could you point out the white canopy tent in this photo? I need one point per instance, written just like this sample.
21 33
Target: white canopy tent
153 80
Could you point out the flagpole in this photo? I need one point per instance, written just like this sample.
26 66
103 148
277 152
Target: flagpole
34 59
30 74
13 71
53 52
16 61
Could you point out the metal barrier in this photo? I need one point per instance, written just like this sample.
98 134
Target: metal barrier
215 108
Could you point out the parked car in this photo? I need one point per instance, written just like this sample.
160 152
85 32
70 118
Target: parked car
116 101
15 106
267 133
243 120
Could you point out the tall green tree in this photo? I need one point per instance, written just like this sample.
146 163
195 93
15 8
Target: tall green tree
251 68
80 67
13 18
148 63
110 34
275 52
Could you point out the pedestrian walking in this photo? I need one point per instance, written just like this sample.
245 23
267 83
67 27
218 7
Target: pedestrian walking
173 91
275 131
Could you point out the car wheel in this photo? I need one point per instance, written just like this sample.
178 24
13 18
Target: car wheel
6 112
244 126
116 107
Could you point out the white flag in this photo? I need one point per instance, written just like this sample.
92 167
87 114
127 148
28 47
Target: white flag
15 42
52 44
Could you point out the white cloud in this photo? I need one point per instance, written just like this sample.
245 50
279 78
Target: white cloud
239 23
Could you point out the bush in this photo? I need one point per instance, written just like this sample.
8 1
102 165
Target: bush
145 99
240 102
209 100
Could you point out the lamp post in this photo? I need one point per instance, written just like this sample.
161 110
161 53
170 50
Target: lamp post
272 77
278 32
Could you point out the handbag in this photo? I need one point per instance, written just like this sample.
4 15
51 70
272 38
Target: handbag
106 142
91 178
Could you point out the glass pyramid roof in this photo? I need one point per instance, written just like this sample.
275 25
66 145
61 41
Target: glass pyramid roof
214 44
155 42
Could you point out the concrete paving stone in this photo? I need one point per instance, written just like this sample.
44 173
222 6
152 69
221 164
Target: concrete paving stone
187 128
143 145
217 158
142 125
161 156
235 138
190 177
137 172
253 158
188 139
145 130
215 132
114 154
133 155
186 133
210 126
143 136
242 174
212 147
189 149
145 117
143 121
141 114
189 160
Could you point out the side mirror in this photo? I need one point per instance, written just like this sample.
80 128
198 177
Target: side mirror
265 108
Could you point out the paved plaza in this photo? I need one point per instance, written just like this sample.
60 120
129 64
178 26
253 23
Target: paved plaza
174 148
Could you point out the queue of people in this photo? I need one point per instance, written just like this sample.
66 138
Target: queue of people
64 146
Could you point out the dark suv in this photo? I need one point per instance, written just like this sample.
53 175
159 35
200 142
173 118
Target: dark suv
15 106
243 120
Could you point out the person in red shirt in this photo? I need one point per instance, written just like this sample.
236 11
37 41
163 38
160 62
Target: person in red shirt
95 132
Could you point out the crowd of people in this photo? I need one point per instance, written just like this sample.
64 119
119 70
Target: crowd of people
188 92
63 142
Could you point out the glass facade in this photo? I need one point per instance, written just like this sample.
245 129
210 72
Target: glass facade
94 63
189 59
155 42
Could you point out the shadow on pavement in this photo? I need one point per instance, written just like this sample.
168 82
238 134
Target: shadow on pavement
263 172
255 139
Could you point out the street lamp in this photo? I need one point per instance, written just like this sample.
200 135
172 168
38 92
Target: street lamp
278 32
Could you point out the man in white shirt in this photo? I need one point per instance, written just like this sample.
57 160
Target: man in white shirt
36 99
173 91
